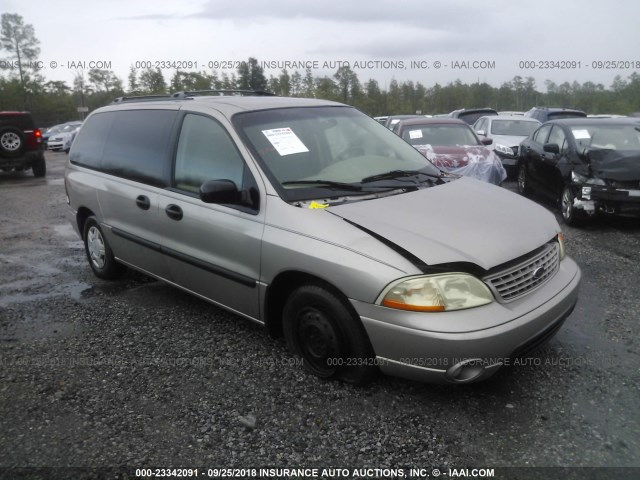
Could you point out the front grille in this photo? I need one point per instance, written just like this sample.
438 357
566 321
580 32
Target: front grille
523 278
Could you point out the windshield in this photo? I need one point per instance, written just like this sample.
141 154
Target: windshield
55 129
516 128
440 135
71 127
607 137
316 145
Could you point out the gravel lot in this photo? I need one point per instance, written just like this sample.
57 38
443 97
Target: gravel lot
136 373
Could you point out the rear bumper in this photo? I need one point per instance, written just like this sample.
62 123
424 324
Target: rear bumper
24 161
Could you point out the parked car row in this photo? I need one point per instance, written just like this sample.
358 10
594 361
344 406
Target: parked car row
590 165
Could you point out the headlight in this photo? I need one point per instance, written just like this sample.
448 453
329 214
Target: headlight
436 293
563 252
578 178
504 150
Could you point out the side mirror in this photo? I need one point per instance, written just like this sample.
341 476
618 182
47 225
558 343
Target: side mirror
551 148
486 141
219 191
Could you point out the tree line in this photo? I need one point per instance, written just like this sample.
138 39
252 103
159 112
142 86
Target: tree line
23 87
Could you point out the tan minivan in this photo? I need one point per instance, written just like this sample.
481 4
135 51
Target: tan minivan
313 219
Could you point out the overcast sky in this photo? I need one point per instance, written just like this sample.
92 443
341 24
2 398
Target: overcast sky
383 36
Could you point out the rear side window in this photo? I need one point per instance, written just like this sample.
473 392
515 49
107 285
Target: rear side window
132 144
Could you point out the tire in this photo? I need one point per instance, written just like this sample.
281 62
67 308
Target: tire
321 328
570 215
99 252
11 142
523 181
39 167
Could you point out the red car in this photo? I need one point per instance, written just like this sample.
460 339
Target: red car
453 146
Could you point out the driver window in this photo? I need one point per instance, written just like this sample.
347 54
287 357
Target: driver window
205 152
558 137
542 134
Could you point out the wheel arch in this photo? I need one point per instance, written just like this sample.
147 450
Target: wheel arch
280 289
81 217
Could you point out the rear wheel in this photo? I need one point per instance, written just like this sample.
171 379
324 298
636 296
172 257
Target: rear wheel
99 252
321 328
39 167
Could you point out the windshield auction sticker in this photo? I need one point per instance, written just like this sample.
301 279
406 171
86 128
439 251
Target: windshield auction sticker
413 134
285 141
581 134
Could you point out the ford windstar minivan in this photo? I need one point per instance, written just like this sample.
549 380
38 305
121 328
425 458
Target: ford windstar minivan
313 219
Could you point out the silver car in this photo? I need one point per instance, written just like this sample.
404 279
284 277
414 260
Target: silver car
313 219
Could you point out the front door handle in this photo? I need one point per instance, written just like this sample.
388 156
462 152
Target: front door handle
143 202
174 212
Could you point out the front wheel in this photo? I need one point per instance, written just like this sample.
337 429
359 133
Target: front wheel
570 214
321 328
99 254
523 181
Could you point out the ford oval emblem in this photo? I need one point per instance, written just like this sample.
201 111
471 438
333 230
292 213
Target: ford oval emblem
537 273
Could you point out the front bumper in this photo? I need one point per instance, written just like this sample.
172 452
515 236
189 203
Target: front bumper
598 199
412 346
507 160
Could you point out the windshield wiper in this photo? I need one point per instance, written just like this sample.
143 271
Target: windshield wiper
397 174
326 183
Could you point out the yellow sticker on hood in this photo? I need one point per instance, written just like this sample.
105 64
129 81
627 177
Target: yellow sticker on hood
315 204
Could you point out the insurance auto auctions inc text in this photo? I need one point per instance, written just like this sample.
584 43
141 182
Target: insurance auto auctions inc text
326 473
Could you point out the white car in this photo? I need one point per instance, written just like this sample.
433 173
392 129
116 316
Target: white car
63 139
506 131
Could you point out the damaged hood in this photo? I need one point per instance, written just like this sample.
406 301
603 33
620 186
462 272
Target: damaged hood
615 164
462 221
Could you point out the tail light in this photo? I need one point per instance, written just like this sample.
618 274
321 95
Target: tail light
38 134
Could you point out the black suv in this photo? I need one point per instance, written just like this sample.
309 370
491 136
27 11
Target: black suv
21 144
544 114
470 115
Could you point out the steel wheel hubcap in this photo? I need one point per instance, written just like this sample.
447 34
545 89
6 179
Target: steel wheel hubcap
95 246
320 344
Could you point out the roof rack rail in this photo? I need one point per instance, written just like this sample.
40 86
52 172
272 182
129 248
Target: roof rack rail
222 92
188 95
142 98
